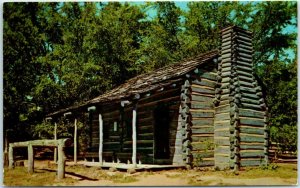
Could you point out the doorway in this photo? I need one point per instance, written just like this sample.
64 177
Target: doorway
161 132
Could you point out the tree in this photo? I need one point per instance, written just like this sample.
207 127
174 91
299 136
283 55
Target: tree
161 43
23 44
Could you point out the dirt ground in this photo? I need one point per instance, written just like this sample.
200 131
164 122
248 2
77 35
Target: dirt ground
283 174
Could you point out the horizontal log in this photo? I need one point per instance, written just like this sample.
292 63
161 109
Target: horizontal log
244 64
244 46
227 60
204 145
252 130
243 43
225 91
222 141
226 80
226 74
145 136
251 113
245 78
204 90
222 109
208 75
206 154
222 149
243 50
204 82
250 96
226 51
204 163
251 153
250 138
203 130
201 122
246 60
199 138
249 101
224 123
222 158
245 74
243 38
225 102
251 106
227 55
248 90
202 114
222 116
160 94
143 120
225 85
245 55
202 98
252 147
201 105
226 35
145 127
50 143
226 40
176 98
253 162
244 33
220 129
222 132
111 113
225 44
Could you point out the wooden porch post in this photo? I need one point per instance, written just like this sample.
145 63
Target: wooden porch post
55 138
134 134
100 138
75 141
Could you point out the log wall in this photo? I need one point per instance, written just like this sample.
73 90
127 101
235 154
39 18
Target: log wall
202 114
118 141
240 117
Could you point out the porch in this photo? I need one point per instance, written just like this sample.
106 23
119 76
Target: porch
124 166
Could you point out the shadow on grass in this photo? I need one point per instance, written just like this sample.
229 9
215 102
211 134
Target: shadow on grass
73 174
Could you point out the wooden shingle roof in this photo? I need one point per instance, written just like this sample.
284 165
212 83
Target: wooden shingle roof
148 81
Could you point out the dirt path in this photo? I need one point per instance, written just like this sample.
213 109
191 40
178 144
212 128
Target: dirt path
162 180
95 177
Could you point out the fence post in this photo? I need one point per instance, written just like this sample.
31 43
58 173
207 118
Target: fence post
61 161
11 156
30 158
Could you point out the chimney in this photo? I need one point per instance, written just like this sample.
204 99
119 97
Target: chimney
241 134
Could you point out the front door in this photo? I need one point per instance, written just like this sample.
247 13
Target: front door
161 132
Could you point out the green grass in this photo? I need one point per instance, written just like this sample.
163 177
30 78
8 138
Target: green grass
19 177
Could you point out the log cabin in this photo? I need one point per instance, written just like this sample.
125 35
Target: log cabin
205 111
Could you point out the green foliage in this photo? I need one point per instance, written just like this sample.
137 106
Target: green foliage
59 54
208 146
268 166
280 81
